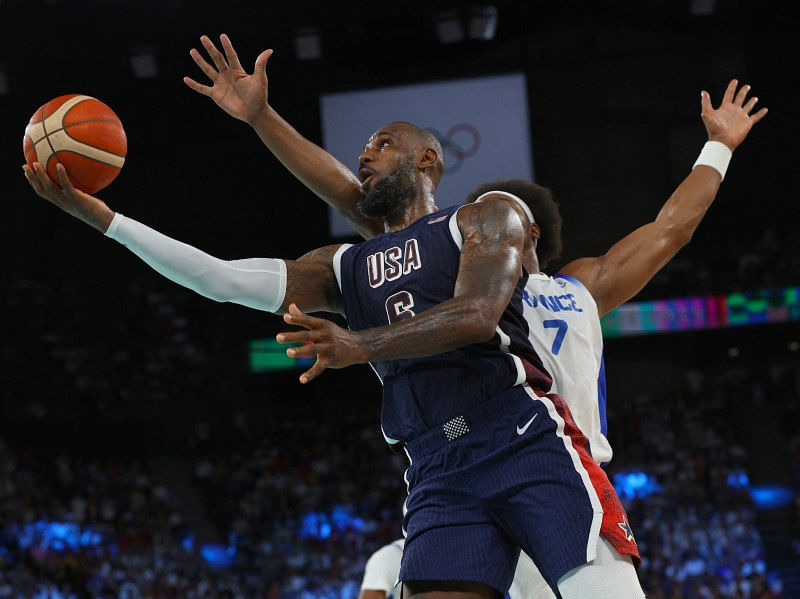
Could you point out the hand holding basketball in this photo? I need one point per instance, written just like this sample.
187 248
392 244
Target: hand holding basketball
732 121
81 133
79 204
241 95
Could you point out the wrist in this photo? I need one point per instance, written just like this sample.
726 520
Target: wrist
97 215
715 154
263 118
360 348
721 140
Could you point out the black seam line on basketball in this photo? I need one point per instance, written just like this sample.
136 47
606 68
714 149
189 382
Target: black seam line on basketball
95 147
46 137
71 176
89 157
64 116
78 123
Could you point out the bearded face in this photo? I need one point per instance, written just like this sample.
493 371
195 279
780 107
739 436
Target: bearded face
390 192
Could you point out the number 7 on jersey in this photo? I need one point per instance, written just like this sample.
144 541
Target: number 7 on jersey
562 327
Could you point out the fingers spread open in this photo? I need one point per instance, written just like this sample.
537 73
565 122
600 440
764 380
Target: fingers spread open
705 102
310 349
201 62
230 53
260 69
296 316
312 372
759 115
729 92
203 89
741 95
751 103
216 55
294 337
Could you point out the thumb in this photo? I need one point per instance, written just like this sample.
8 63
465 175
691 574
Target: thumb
705 102
261 64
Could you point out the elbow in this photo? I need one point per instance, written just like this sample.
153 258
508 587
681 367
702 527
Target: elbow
678 235
480 327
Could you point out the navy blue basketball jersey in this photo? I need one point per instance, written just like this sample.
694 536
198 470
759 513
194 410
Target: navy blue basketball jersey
395 276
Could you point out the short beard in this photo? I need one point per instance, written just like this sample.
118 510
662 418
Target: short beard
390 192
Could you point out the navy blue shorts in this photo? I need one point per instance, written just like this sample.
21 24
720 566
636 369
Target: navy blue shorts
514 472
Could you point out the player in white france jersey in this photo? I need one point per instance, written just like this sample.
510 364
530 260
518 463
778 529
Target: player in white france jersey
381 572
563 320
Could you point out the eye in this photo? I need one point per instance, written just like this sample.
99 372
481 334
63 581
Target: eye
383 142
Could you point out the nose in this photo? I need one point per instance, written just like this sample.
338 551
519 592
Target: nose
366 157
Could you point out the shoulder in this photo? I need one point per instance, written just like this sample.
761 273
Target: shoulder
495 215
323 255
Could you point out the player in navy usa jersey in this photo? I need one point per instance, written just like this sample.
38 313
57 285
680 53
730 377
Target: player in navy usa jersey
435 305
464 386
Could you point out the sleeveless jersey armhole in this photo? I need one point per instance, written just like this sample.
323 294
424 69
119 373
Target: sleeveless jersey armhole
337 262
455 232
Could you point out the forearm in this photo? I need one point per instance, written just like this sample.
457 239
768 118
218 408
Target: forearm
316 168
457 322
258 283
688 204
633 261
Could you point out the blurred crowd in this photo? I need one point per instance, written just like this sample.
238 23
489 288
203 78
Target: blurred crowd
697 530
301 508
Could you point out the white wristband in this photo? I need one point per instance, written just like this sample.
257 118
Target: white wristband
716 155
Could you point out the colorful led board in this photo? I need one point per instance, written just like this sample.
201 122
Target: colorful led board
703 312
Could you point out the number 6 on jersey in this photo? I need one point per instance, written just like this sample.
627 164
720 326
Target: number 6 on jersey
398 306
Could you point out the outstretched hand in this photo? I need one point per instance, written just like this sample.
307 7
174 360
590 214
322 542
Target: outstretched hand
238 93
89 209
334 346
732 121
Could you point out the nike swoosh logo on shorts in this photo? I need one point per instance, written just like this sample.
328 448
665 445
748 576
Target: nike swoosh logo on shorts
521 429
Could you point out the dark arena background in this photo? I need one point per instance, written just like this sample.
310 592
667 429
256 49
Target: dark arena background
148 450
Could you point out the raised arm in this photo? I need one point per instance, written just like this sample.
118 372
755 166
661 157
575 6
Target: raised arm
629 265
267 284
490 267
245 97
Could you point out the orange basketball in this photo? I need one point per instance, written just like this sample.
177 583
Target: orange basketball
81 133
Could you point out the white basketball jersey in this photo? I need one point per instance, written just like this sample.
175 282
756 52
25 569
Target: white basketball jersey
383 568
565 332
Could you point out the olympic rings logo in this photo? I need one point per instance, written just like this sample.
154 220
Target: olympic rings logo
461 141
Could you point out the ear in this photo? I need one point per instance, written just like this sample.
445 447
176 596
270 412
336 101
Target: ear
536 232
428 158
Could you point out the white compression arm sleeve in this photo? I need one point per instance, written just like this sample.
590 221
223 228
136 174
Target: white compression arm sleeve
258 283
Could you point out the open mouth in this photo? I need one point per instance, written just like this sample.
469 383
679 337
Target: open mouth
364 174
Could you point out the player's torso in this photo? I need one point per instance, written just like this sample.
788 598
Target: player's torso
565 332
395 276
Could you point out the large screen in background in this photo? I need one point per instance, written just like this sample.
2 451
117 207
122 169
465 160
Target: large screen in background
482 124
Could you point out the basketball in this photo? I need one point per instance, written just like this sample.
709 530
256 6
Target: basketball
81 133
